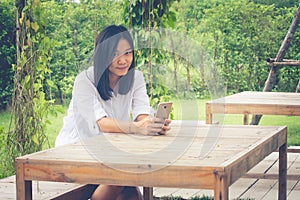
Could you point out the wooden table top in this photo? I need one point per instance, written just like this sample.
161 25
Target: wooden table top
261 98
189 156
264 103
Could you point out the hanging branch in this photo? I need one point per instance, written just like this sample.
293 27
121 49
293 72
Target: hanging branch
280 55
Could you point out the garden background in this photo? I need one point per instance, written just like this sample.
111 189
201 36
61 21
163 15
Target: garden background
45 43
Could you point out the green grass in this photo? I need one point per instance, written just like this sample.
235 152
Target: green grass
186 110
195 110
56 123
5 119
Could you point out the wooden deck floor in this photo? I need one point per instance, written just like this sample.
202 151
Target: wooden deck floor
258 189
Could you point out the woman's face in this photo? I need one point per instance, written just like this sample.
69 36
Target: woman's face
122 60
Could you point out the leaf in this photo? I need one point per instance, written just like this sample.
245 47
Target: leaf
50 82
27 23
35 139
21 18
35 26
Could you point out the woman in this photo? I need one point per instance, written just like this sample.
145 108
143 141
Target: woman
105 99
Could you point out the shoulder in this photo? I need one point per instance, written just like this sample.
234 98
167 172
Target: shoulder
138 75
87 74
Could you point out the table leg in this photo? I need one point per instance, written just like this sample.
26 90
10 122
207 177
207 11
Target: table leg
246 119
23 187
221 189
208 114
282 173
148 193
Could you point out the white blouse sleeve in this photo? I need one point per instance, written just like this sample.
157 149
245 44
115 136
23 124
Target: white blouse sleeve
87 105
140 99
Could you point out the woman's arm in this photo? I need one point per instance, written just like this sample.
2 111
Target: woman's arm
142 125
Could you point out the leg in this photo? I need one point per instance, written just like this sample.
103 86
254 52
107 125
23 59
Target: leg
130 193
107 192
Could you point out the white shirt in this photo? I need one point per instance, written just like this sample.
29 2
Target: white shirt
87 107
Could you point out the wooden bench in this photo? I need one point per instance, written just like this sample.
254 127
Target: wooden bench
45 190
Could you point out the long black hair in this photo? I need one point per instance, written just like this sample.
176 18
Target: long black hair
105 47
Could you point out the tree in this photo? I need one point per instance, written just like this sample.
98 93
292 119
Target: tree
74 27
145 17
29 107
270 82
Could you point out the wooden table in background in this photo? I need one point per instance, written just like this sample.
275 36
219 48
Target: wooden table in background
255 103
147 163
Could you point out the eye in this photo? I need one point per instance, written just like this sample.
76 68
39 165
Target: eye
128 52
116 54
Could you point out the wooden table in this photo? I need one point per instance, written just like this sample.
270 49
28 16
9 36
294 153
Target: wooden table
175 160
256 103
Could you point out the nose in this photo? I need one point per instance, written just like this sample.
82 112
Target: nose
122 59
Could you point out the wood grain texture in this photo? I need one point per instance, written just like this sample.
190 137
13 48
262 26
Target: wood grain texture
173 160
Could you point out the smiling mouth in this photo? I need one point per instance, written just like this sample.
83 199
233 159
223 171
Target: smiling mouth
122 68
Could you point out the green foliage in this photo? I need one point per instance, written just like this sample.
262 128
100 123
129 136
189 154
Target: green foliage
7 51
29 106
145 18
74 28
240 36
149 13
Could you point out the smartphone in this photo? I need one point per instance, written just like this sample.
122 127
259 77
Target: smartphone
163 110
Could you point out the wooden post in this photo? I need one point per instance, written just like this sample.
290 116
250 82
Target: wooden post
282 172
23 187
298 87
280 55
148 193
221 189
208 114
246 118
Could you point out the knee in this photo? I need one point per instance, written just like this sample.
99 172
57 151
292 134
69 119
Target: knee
131 193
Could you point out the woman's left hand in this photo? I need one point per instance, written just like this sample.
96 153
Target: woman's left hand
165 127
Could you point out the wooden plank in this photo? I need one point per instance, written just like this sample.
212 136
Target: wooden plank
294 193
273 103
148 193
248 161
211 172
268 168
260 189
41 190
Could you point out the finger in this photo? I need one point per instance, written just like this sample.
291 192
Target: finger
162 132
158 120
166 128
156 125
167 122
